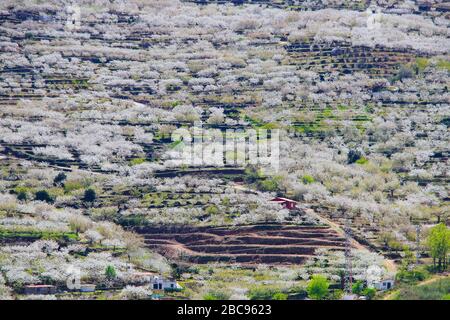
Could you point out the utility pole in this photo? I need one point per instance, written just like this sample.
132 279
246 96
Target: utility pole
348 258
418 229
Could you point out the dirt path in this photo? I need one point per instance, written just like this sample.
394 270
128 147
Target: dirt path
434 278
390 265
392 295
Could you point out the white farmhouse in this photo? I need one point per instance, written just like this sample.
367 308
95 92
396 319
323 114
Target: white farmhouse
160 283
385 284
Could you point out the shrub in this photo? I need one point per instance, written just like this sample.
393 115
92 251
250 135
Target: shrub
270 184
361 160
134 220
412 276
137 161
70 186
177 270
318 287
403 73
280 296
443 64
43 195
79 223
421 64
59 179
307 179
358 287
251 174
265 293
369 293
104 213
216 295
22 196
212 210
336 294
353 156
89 195
21 189
110 272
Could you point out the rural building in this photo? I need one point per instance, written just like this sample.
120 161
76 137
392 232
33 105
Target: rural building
384 284
160 283
285 202
87 288
40 289
157 282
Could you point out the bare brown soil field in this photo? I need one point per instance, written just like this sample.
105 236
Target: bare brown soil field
251 244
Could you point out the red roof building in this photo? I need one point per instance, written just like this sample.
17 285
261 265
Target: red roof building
285 202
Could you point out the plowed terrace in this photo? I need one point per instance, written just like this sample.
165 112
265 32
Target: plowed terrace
270 243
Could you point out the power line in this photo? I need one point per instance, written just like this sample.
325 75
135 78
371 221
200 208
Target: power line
348 258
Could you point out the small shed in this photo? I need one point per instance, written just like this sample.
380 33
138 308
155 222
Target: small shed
286 203
39 289
383 285
87 288
160 283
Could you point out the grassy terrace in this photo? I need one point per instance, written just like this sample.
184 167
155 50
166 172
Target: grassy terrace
9 236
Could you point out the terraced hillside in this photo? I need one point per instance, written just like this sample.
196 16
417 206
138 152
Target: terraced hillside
254 244
344 58
427 7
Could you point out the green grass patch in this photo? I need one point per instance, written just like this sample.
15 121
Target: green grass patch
178 143
46 235
266 292
137 161
270 126
307 179
327 113
133 220
254 122
70 186
436 290
444 64
82 83
421 64
362 160
21 189
307 128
